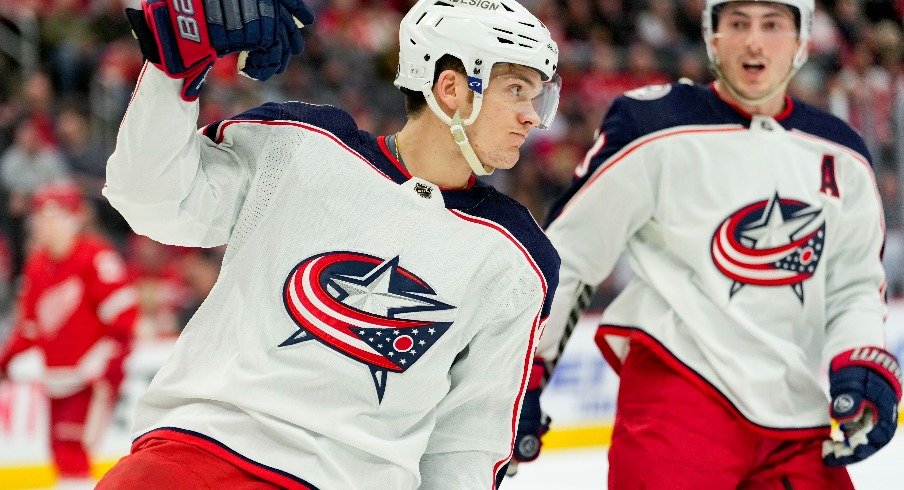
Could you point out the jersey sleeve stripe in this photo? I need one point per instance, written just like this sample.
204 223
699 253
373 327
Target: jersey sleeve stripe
117 302
144 69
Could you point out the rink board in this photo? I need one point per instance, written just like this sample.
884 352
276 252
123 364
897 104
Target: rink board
580 398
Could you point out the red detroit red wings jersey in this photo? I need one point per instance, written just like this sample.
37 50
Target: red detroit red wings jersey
755 243
368 329
78 310
78 300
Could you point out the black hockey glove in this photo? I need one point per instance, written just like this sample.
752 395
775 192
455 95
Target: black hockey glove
532 423
865 387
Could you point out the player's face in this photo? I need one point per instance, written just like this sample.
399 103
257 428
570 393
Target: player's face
755 44
51 224
506 116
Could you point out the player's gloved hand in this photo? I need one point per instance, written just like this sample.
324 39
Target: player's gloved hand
262 63
533 422
865 387
185 37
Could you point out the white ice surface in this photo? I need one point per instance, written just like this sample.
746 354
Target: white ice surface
585 469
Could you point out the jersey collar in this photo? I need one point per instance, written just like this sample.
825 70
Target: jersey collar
784 114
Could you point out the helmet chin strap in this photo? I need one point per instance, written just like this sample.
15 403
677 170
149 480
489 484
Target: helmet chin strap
458 134
457 128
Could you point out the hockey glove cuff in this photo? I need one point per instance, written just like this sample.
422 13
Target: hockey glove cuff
173 35
865 387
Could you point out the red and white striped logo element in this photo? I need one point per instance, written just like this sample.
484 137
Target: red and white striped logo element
774 242
370 309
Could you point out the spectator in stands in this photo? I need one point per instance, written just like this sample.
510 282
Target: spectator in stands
38 98
29 163
867 104
86 158
24 166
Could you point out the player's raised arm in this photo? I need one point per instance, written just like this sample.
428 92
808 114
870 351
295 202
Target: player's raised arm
168 181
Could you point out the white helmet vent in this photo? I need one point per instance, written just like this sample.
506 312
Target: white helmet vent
515 40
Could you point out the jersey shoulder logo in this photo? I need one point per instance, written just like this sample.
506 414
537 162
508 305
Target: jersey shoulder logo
773 242
372 310
650 92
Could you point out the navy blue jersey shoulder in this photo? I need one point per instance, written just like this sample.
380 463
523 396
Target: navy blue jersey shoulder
517 220
811 120
651 109
684 105
329 118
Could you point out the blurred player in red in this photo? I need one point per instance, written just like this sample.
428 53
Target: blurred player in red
77 307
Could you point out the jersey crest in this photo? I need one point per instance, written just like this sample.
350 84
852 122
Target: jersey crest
774 242
372 310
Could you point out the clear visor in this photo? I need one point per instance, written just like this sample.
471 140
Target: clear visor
527 95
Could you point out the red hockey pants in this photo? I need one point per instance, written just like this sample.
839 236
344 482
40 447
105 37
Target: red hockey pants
671 435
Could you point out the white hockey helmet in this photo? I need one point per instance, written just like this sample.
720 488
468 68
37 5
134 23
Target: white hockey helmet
480 33
804 10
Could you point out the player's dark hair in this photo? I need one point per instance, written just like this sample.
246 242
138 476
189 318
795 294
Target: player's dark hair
414 100
717 9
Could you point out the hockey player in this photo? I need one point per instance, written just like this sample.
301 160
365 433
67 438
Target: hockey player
754 230
377 309
77 307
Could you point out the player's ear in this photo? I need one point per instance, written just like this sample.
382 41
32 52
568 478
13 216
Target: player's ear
451 91
714 48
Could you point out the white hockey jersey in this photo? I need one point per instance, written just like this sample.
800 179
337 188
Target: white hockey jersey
367 329
755 244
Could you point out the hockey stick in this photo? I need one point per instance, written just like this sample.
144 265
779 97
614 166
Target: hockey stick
579 304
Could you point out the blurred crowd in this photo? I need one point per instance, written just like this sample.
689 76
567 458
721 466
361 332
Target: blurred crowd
67 69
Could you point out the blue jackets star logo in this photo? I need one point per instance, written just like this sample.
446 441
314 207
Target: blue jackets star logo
372 310
774 242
